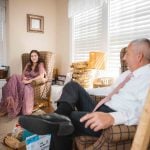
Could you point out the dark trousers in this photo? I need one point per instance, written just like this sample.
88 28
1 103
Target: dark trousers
80 103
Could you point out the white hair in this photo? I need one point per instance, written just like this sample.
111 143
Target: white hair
143 45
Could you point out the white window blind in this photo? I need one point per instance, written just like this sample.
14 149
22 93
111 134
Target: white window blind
2 33
88 32
128 20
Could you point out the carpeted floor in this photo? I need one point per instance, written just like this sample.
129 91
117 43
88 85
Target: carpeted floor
6 126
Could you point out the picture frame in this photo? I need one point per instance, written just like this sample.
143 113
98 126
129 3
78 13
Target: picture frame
35 23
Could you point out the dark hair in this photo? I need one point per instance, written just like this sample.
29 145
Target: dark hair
40 60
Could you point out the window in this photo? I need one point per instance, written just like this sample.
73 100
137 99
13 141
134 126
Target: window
2 34
127 20
88 32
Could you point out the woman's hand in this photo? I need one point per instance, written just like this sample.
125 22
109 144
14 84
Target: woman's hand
97 120
24 78
27 81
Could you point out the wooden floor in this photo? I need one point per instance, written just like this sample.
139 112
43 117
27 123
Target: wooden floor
7 124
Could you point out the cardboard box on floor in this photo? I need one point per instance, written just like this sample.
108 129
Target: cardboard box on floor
38 142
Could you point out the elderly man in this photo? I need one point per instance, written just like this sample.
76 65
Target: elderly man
77 114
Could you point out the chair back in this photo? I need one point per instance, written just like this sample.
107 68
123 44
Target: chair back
123 63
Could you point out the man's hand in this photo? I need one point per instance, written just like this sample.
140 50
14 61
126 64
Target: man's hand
97 120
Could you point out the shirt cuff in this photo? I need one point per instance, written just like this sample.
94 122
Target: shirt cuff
119 118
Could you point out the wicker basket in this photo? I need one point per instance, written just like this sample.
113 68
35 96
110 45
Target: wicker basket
102 82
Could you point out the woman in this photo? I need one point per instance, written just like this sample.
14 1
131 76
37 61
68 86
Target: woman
17 93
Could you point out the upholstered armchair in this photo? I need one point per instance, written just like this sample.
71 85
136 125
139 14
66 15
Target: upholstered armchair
117 137
42 88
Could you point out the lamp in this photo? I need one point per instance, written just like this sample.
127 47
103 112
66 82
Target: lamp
97 60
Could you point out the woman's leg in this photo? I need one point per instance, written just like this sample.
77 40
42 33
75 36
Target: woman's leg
10 101
28 100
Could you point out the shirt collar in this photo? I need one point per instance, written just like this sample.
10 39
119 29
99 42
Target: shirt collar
141 70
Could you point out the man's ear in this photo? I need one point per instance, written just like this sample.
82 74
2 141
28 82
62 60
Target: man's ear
140 56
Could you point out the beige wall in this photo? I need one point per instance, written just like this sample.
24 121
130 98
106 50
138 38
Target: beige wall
19 40
62 37
55 37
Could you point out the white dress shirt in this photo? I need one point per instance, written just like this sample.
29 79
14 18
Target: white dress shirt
129 101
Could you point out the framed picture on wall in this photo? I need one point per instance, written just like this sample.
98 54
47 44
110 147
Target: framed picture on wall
35 23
